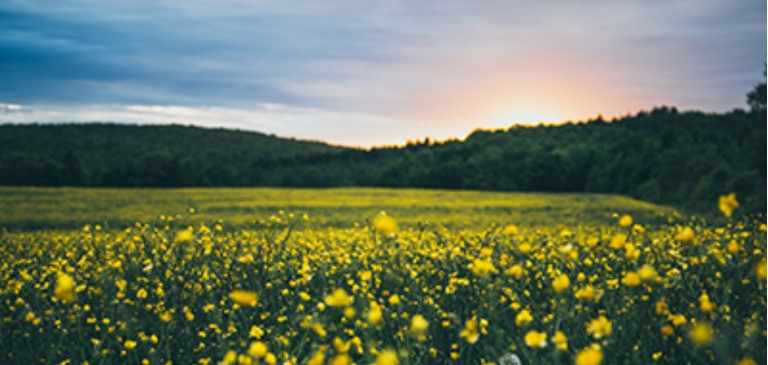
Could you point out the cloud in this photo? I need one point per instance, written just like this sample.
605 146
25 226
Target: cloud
303 123
451 63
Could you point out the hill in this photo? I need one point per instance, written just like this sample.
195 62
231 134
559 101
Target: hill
103 154
685 159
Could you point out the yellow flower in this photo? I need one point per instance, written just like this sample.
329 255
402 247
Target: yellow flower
130 345
230 357
746 361
319 329
256 332
592 355
516 271
667 330
386 357
701 334
481 267
685 235
419 325
631 279
618 241
561 341
470 332
760 270
678 319
394 299
510 230
65 288
341 359
184 236
588 293
705 304
561 283
374 313
599 327
339 298
625 221
317 359
349 312
384 225
258 349
535 339
728 204
523 318
244 298
647 273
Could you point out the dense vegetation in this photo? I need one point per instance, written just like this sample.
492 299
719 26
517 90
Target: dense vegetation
281 292
680 158
33 208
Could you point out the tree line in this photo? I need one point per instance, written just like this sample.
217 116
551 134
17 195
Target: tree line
685 159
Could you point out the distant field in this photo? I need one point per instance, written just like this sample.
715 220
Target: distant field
241 276
63 208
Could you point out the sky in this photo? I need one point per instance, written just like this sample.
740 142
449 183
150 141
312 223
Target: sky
380 72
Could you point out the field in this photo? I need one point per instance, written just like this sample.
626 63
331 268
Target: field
374 276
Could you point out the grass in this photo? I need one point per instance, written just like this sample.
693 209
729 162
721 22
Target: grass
69 208
320 276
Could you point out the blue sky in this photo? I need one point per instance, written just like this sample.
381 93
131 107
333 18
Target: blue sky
371 73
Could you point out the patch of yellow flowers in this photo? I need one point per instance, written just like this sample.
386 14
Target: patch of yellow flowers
387 295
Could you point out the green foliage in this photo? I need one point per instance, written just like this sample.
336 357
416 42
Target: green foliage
72 208
665 156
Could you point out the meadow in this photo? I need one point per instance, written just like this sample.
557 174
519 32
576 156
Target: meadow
375 276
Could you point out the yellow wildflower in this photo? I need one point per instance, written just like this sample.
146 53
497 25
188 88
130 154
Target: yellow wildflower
394 299
258 349
384 225
319 329
256 332
535 339
244 298
65 288
625 221
746 361
561 283
130 345
386 357
341 359
561 341
481 267
631 279
339 298
677 319
523 318
728 204
685 235
701 334
588 293
705 304
599 327
667 330
419 325
511 230
374 313
470 332
647 273
318 358
184 236
592 355
760 270
618 241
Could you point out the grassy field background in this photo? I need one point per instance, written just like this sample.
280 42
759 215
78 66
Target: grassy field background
68 208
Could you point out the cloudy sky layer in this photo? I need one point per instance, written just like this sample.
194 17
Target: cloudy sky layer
373 72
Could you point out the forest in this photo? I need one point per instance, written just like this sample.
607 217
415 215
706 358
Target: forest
680 158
